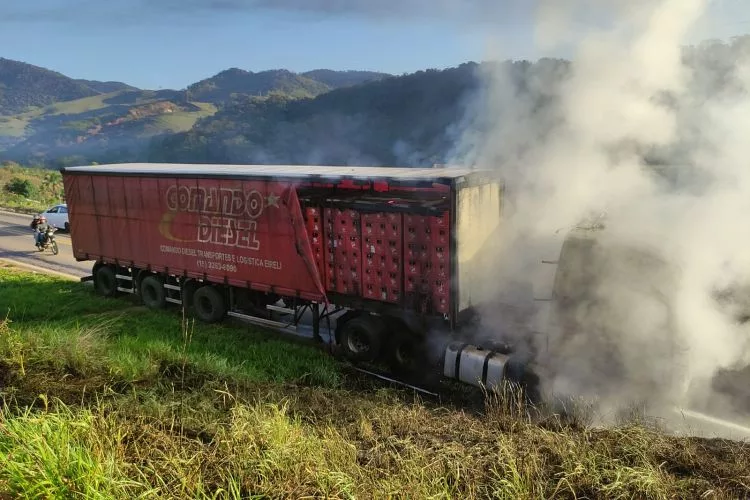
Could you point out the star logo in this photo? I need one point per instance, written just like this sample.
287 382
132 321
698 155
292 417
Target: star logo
272 200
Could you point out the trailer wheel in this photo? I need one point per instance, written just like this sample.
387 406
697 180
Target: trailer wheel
208 304
362 338
405 352
105 281
152 292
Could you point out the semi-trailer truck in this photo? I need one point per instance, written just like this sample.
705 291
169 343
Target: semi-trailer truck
391 253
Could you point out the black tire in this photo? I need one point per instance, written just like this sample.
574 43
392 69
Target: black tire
55 250
208 304
406 353
67 227
362 338
105 281
152 292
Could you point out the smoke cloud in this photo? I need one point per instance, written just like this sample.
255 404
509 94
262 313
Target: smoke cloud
636 159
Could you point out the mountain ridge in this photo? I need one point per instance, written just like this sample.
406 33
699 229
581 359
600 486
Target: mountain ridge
45 114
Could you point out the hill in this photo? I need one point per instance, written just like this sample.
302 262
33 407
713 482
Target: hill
338 79
221 87
24 85
414 120
420 118
48 116
118 124
106 87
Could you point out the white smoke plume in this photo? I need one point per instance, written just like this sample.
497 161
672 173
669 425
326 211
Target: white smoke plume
640 129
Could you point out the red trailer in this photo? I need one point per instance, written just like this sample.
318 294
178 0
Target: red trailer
390 250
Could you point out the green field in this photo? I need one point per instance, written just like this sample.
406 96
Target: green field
15 126
78 115
182 121
12 126
105 399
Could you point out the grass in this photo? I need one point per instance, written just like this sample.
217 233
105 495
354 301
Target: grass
182 121
18 125
74 107
107 400
12 126
71 331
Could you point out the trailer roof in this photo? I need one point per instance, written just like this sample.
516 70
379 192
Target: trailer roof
437 173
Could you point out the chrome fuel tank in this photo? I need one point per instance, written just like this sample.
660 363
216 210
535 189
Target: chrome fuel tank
474 365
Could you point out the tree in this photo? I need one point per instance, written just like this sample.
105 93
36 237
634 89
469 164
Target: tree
52 185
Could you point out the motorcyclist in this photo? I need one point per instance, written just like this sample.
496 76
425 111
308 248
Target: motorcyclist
41 229
35 221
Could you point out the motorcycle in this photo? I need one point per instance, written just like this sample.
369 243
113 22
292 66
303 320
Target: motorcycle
48 241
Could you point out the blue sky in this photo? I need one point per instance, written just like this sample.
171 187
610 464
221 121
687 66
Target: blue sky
172 43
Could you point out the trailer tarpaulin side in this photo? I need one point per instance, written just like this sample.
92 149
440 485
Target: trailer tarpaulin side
238 231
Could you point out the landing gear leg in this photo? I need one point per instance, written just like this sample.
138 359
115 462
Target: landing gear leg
316 323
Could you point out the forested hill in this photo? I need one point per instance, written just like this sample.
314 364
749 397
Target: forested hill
318 117
401 118
23 85
420 118
411 120
47 118
223 86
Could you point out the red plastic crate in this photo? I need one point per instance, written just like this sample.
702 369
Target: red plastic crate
390 257
393 264
417 251
440 221
414 234
381 262
374 245
411 284
438 255
441 271
370 291
440 236
440 304
393 228
369 277
413 268
392 247
314 224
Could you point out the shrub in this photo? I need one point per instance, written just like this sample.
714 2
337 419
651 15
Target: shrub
19 186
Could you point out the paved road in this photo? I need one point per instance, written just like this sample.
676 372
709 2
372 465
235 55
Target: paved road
17 244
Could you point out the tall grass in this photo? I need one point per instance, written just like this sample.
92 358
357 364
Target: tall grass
61 325
112 401
234 445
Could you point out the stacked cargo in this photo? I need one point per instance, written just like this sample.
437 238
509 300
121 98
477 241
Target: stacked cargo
383 252
343 251
314 224
428 262
389 257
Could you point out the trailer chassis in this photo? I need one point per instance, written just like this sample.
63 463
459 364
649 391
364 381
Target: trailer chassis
367 339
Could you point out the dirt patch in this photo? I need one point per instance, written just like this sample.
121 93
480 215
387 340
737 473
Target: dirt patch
6 374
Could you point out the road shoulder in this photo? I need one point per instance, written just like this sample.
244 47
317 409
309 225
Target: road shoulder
38 269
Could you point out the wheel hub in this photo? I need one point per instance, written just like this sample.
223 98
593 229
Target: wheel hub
357 343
